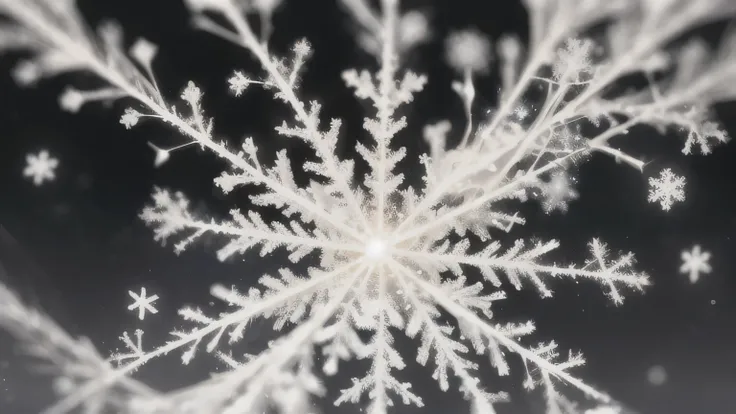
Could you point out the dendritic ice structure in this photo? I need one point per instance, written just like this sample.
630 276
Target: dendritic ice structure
426 260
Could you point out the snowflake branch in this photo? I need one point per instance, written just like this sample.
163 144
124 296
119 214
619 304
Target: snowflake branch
516 262
386 87
384 358
313 137
646 43
454 213
549 29
469 317
447 349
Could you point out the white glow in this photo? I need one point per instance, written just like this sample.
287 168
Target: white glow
375 249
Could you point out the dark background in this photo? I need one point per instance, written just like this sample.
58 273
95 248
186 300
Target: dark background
74 247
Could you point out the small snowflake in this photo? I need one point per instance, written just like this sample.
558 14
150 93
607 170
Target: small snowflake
40 167
557 192
666 189
142 303
695 262
468 50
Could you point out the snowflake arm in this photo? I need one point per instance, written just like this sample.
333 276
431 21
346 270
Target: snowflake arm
550 25
449 353
338 172
142 303
386 95
281 355
380 317
40 167
625 59
252 305
69 41
503 337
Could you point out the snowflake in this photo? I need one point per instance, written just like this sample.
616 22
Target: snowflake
468 50
666 189
369 252
573 60
695 262
142 303
557 192
40 167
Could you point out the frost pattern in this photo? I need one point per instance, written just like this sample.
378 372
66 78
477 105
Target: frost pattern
392 255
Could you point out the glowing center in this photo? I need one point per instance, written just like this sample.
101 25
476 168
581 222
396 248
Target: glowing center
376 249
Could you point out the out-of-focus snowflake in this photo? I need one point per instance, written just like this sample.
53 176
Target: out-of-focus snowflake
657 375
40 167
695 262
604 409
667 189
468 50
557 192
142 303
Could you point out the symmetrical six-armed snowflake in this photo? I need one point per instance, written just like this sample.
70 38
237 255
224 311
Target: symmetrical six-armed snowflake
393 257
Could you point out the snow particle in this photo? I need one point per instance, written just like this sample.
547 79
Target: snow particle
695 262
142 303
40 167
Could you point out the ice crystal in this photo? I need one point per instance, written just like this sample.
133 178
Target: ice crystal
667 189
40 167
427 260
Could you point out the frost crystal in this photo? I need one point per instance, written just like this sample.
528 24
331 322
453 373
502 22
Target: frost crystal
389 255
40 167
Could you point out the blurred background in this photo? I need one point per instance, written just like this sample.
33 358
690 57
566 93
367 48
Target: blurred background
75 246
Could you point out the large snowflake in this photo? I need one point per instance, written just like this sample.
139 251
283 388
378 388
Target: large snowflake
392 256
